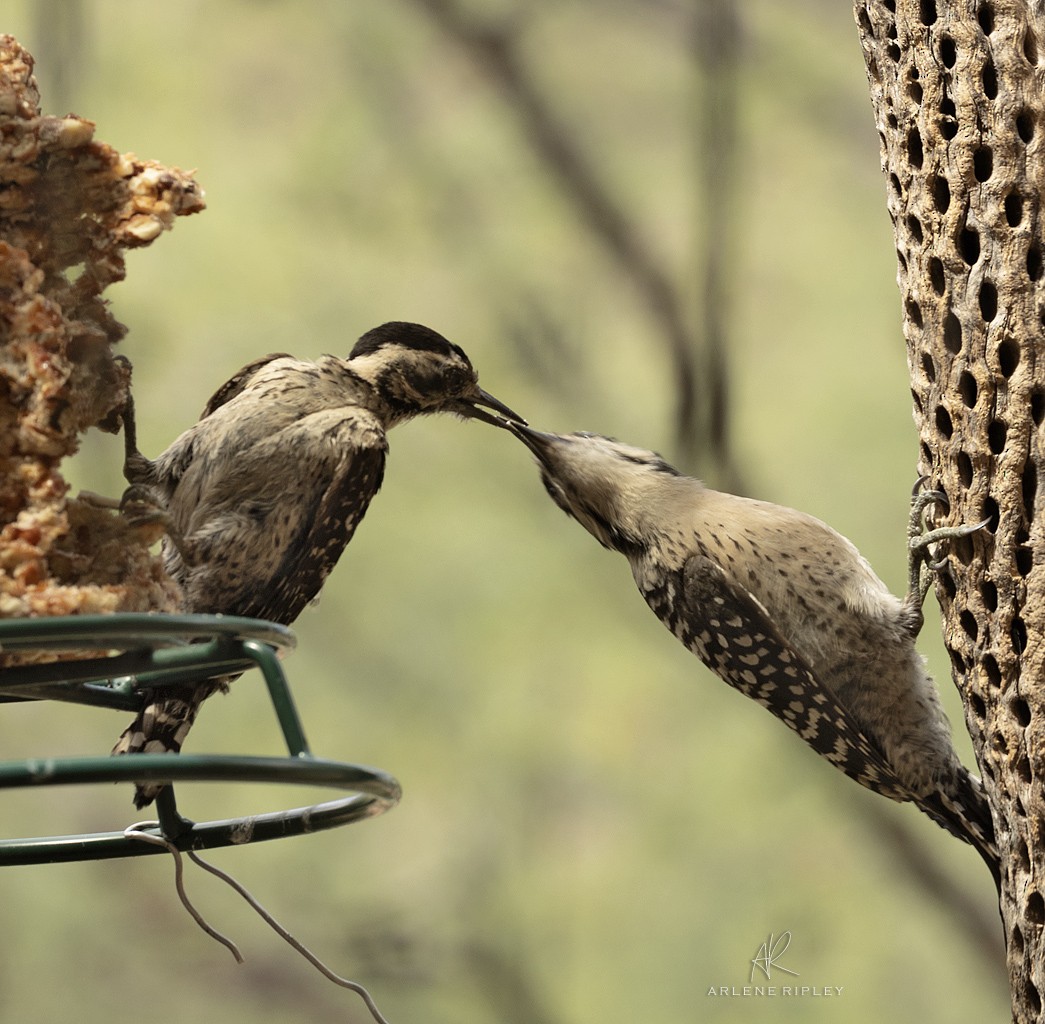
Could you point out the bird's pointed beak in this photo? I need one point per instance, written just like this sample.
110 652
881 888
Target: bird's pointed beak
539 442
470 407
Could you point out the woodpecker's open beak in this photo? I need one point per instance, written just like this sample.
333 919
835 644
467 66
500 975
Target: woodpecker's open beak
469 406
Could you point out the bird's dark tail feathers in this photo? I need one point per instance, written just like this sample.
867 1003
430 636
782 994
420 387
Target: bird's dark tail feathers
960 806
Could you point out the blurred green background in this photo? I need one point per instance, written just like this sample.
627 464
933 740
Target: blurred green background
593 828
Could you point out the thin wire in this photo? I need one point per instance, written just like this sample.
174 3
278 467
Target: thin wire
282 932
135 832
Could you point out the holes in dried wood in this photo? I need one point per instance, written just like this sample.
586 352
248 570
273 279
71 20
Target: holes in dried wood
988 301
946 582
1025 125
985 16
889 5
948 122
996 434
1023 855
1034 264
967 388
917 399
983 163
893 51
989 76
928 367
914 226
1034 910
1016 939
1021 711
914 90
1029 488
894 181
943 422
989 596
1024 559
1030 993
979 709
1013 209
989 512
863 19
964 469
1022 766
1008 356
927 454
969 245
902 260
914 313
1037 407
952 333
941 194
927 12
991 670
961 549
1018 635
936 277
970 627
890 119
1030 47
948 52
915 154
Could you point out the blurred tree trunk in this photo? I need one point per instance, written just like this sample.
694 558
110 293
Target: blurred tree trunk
62 49
716 50
492 41
956 87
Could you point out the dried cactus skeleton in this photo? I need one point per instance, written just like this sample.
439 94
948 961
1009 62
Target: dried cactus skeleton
69 207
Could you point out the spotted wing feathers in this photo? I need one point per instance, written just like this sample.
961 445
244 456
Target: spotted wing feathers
732 633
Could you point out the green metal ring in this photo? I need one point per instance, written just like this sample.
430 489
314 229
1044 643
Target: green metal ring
158 651
374 792
134 629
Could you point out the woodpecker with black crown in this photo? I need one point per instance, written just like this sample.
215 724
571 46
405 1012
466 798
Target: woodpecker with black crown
259 499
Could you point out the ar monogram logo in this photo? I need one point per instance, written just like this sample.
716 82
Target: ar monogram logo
768 956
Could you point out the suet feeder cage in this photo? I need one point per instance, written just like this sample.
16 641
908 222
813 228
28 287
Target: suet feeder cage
140 654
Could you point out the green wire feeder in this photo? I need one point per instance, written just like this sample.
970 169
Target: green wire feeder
154 651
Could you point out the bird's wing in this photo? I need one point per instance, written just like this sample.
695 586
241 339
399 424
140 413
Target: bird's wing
308 516
238 381
355 478
733 634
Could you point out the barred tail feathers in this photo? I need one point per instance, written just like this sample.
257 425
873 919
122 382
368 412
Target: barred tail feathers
161 728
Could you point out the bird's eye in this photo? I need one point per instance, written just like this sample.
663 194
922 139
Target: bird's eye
456 378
